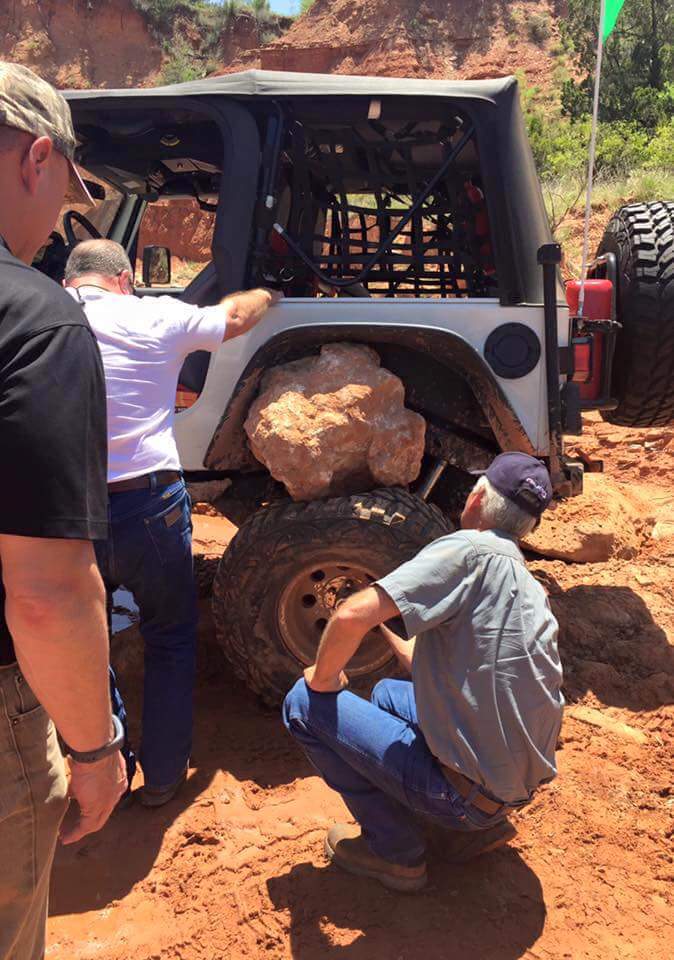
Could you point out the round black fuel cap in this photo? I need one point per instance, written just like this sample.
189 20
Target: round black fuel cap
512 350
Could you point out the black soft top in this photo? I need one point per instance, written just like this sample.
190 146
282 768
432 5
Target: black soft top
276 83
519 223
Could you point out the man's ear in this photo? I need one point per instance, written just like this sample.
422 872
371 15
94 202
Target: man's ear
475 497
34 162
126 282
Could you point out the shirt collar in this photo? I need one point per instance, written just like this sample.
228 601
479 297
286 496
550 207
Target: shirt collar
87 291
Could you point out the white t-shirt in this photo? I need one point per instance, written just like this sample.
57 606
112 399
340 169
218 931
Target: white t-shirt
143 343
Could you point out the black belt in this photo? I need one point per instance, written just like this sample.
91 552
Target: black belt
161 479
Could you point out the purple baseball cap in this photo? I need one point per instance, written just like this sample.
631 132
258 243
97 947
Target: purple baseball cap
522 479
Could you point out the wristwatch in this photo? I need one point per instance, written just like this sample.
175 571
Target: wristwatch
91 756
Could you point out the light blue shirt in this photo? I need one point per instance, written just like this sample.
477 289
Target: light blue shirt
486 669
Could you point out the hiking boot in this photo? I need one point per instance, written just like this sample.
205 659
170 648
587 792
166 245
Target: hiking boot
158 796
345 846
456 846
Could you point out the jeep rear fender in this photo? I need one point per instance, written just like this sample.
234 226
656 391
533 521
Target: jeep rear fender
227 448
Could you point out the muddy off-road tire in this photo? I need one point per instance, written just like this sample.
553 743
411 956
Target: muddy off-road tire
641 236
282 573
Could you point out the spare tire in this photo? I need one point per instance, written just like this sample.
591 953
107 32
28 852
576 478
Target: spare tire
641 236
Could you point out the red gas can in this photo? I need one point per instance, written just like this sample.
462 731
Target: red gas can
598 294
589 350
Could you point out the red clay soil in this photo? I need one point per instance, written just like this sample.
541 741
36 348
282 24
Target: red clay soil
80 43
468 39
233 867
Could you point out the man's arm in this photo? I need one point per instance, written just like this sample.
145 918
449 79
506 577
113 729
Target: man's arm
246 309
55 611
351 622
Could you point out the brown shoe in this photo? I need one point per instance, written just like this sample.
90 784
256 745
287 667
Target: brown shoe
455 846
345 846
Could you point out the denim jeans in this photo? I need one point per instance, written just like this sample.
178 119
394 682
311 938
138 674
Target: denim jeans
149 551
374 754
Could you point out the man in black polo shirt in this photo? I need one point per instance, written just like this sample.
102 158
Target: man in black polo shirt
53 637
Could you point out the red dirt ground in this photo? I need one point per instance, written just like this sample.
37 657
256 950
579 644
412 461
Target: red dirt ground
233 867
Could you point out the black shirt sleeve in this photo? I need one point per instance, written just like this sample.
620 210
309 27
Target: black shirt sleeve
53 436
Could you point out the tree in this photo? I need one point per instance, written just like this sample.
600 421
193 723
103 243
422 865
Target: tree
638 62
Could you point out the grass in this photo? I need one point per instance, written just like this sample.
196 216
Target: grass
565 204
566 197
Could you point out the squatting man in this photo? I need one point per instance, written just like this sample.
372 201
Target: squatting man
473 734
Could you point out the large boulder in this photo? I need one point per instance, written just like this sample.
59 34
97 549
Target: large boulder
335 424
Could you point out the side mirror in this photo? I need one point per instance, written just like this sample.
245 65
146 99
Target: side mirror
156 266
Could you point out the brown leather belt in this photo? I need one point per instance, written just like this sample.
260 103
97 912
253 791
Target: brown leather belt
463 787
161 478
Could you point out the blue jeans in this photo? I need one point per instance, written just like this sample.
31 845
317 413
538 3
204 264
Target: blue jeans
149 551
374 754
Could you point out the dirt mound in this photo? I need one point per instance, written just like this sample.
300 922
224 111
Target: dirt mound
604 522
77 43
644 456
470 39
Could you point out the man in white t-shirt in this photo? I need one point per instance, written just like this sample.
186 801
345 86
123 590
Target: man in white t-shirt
143 343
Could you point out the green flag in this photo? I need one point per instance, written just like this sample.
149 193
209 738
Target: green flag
613 8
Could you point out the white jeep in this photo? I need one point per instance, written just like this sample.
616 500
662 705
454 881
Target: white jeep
402 214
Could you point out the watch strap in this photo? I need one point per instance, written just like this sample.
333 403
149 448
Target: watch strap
92 756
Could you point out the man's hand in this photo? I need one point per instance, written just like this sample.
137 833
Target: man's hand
245 310
96 788
331 685
403 649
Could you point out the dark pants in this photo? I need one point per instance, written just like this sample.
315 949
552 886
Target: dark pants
149 551
374 755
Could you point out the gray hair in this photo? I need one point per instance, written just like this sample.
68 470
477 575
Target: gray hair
11 138
104 258
502 514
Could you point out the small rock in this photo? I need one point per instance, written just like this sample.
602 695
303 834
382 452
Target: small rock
597 719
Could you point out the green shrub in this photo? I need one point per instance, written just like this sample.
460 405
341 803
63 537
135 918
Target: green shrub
182 65
538 28
621 147
660 151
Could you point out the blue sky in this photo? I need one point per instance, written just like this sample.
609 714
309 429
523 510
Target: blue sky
280 6
285 6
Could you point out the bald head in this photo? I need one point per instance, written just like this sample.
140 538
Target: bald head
101 260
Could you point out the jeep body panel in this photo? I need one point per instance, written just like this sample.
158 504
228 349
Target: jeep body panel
336 318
